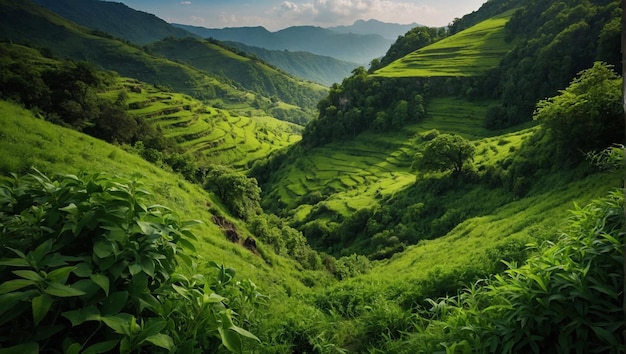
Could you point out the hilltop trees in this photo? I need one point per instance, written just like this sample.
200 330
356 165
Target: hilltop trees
446 152
588 114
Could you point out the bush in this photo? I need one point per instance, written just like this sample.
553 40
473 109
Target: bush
86 265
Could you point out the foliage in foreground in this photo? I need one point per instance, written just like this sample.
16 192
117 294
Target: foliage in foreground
567 298
86 266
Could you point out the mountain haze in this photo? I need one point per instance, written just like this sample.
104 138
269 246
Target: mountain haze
356 48
387 30
309 66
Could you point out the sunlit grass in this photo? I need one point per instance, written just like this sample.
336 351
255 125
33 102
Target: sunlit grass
467 53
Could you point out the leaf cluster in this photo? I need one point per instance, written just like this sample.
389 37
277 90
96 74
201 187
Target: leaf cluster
87 266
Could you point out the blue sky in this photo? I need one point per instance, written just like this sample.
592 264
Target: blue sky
279 14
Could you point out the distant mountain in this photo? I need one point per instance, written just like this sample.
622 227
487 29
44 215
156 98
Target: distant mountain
24 22
356 48
317 68
387 30
116 19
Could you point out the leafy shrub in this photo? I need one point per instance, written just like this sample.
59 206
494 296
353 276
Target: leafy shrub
87 266
566 298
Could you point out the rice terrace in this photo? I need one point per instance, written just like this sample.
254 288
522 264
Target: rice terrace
164 192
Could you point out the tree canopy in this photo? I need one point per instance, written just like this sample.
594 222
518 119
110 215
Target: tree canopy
587 115
446 152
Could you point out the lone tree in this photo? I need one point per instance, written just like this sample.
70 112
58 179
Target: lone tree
446 152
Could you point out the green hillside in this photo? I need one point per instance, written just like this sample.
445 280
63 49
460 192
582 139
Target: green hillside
322 69
252 74
27 23
137 27
398 221
229 137
467 53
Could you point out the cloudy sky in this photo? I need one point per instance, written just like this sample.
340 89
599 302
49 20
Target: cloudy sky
279 14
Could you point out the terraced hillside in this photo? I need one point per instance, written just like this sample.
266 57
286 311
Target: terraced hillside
467 53
229 137
358 174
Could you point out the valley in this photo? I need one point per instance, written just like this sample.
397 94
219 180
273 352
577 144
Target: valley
161 192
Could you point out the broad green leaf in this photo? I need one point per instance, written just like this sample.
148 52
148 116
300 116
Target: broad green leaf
60 290
41 305
134 268
152 326
162 340
230 339
83 269
41 251
74 348
147 265
120 323
103 249
185 243
213 298
102 281
76 317
15 284
25 348
9 300
28 274
102 347
115 303
180 290
70 208
244 333
147 228
14 262
60 275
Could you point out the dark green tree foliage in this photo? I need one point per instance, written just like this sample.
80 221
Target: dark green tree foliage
446 152
88 265
284 239
588 114
556 41
362 102
239 193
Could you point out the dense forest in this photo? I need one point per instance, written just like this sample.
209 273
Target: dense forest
473 212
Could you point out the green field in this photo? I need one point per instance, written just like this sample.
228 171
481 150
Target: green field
222 136
467 53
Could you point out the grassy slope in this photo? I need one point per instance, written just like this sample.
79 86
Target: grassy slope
253 75
27 141
467 53
358 173
229 137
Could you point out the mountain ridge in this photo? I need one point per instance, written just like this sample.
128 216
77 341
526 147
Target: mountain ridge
355 48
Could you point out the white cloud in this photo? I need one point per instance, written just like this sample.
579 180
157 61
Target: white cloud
330 12
185 2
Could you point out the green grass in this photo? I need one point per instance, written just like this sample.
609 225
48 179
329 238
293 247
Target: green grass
467 53
359 173
221 136
27 141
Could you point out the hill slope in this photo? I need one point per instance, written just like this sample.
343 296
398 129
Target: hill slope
317 68
252 74
25 22
355 48
116 19
467 53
